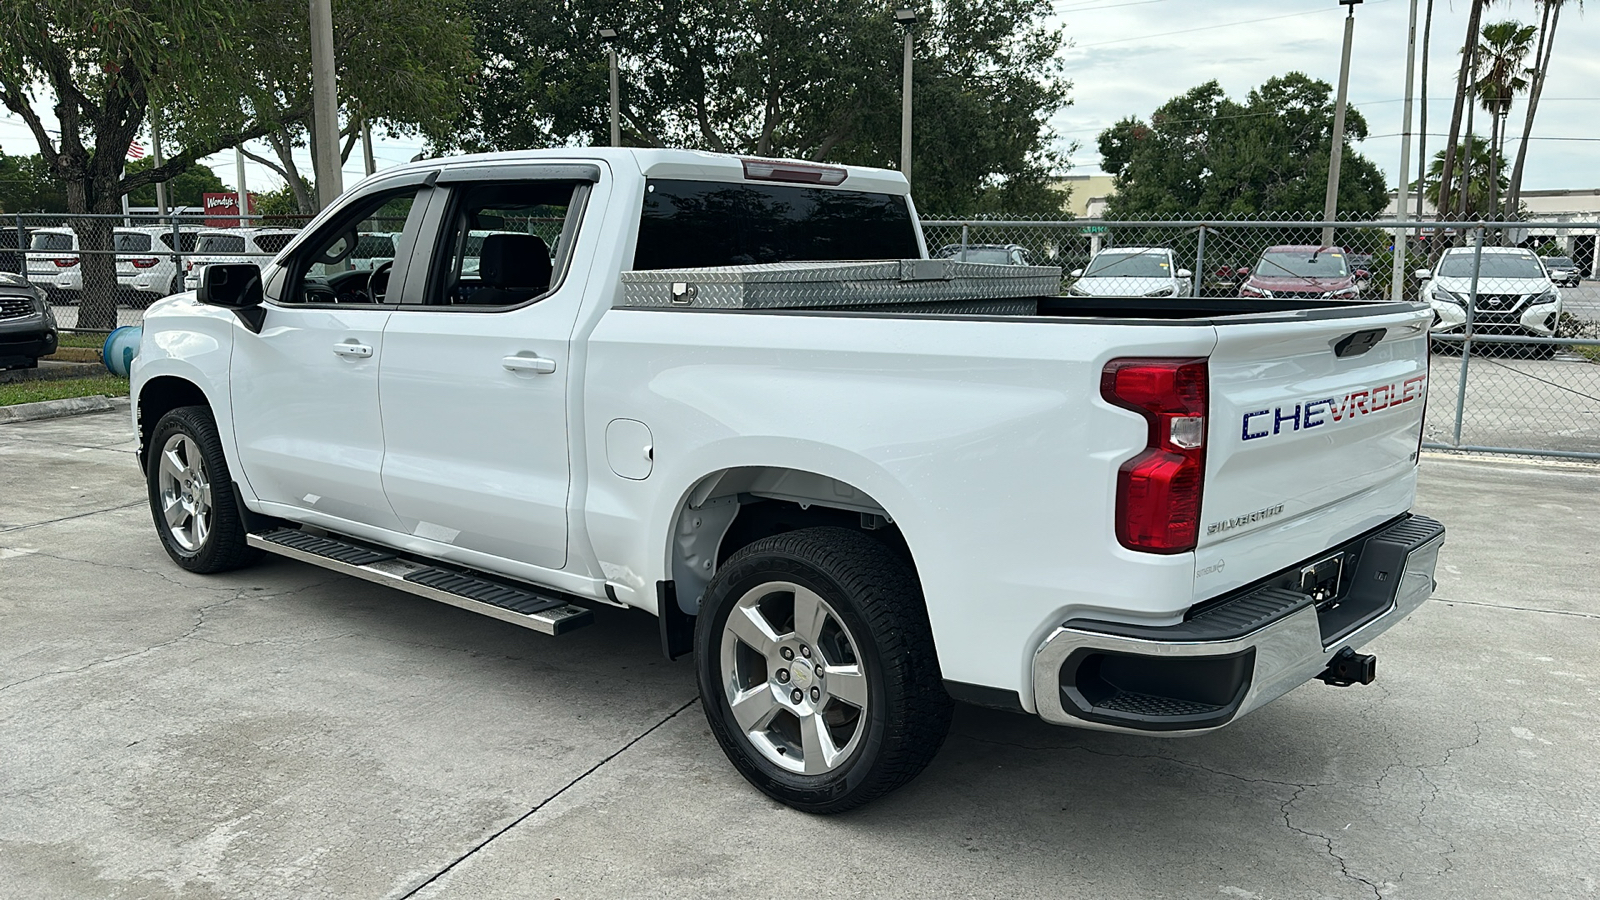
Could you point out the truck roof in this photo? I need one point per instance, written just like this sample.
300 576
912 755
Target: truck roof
662 163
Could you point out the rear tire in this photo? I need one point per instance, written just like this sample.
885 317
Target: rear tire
191 494
821 637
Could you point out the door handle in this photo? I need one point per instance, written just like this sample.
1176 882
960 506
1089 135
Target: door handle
538 365
353 351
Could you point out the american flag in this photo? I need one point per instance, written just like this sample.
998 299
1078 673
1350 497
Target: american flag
136 150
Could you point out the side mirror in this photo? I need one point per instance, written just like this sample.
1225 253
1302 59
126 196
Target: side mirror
1422 274
235 285
1363 273
1242 271
1185 273
1077 273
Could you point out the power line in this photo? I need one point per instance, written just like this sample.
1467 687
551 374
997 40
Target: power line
1139 37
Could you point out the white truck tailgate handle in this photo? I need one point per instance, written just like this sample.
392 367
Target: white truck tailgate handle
353 350
538 365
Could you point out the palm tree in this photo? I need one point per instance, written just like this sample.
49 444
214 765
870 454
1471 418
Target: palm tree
1422 130
1474 159
1502 52
1463 80
1550 17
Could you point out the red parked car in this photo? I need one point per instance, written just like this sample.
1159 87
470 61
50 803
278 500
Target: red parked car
1306 271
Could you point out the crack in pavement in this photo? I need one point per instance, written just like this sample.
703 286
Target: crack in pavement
546 801
1553 612
92 512
1344 868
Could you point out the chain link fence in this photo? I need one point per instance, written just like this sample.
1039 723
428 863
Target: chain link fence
1516 334
1516 339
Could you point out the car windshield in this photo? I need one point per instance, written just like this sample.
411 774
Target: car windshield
1494 265
51 240
220 243
1302 264
132 242
1129 265
272 243
997 255
1558 261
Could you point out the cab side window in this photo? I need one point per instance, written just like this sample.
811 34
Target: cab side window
350 259
505 244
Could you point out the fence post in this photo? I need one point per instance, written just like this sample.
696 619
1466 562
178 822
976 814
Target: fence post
22 250
963 242
1199 264
177 253
1466 342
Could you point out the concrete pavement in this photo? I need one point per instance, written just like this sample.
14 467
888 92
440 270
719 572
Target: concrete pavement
284 732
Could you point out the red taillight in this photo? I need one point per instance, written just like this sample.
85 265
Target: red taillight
65 262
797 172
144 263
1158 491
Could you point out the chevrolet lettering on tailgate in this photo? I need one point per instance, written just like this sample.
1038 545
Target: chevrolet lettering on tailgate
1316 413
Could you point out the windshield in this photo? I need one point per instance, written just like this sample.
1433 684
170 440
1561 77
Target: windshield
1129 265
1563 262
220 243
997 255
51 241
1301 264
132 242
1494 265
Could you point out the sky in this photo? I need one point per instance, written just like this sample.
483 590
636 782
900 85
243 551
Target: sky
1129 56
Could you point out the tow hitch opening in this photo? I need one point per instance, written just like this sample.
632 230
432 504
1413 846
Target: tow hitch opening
1349 667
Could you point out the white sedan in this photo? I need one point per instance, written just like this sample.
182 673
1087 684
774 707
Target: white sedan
1132 272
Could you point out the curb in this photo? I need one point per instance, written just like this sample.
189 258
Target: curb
53 370
55 409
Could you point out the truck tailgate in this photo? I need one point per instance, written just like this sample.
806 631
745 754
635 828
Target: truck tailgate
1312 439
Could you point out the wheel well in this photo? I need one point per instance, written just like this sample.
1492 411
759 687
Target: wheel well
734 508
159 397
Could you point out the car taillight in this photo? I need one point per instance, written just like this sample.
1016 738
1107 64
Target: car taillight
65 262
144 263
1158 491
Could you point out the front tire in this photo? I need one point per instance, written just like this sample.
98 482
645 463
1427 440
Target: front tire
817 669
191 494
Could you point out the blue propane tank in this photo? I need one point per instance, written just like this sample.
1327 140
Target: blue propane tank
121 346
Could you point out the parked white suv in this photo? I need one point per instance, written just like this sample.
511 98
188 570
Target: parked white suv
1132 272
256 246
851 481
1515 294
147 269
54 264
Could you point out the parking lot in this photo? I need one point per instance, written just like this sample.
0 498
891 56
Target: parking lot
286 732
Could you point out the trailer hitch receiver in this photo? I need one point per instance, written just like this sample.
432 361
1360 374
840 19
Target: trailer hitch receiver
1349 667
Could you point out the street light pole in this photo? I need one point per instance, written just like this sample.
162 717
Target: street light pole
1330 205
907 17
1397 274
609 37
325 106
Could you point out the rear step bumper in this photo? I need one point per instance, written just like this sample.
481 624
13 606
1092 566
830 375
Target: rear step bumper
1235 655
530 607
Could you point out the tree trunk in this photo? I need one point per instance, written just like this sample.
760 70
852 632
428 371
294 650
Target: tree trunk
97 302
1463 89
1494 158
1541 65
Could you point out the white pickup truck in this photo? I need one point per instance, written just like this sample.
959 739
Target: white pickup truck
854 483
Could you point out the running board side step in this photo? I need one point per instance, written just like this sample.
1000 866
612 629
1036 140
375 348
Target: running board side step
530 607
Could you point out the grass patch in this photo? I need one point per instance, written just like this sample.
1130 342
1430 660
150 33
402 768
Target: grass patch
34 391
93 341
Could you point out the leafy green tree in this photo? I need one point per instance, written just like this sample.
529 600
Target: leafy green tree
1479 169
187 188
1203 153
99 65
402 65
1502 51
28 185
813 79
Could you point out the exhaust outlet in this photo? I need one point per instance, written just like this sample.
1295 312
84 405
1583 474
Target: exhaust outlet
1349 667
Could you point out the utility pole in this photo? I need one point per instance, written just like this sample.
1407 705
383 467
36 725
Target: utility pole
1397 283
324 106
907 18
608 36
1330 205
366 146
155 151
244 193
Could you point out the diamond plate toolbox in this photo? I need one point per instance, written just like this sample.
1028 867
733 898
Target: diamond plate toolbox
836 285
